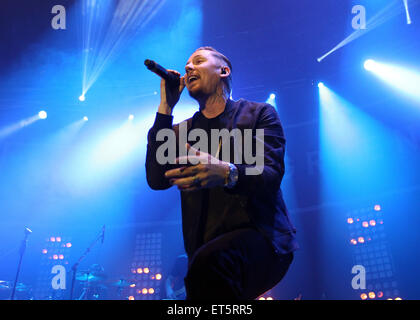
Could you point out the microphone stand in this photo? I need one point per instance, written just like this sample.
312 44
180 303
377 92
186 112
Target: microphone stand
76 265
22 251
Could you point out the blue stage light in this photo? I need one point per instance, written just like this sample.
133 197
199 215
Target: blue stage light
350 142
272 100
403 78
369 64
82 98
130 117
85 118
321 85
42 115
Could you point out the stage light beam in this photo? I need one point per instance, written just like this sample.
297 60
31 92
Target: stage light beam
4 132
407 12
108 26
392 9
404 79
350 141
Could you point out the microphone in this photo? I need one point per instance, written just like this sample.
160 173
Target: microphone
172 79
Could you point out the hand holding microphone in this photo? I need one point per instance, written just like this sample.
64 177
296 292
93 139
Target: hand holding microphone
171 86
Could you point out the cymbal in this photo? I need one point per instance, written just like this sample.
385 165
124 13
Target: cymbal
121 283
90 276
21 287
8 285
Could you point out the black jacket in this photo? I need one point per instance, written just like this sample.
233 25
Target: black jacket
256 201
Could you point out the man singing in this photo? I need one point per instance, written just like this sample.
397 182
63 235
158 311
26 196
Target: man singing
237 233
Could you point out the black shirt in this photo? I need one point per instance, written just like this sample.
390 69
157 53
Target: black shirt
256 201
217 215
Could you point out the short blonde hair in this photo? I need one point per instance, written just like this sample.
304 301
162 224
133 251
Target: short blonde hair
227 81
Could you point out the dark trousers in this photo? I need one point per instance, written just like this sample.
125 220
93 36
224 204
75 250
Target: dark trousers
239 265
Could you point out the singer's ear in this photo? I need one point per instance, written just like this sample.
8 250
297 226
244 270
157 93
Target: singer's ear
225 71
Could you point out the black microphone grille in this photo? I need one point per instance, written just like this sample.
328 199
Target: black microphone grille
149 63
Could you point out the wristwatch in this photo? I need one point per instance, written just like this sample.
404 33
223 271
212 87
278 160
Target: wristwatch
232 177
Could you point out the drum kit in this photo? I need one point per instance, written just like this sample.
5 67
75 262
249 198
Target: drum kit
93 284
6 288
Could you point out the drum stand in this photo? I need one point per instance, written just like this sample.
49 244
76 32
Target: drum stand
22 251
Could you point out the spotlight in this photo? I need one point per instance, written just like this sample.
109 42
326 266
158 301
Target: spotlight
369 64
42 115
85 118
130 117
272 100
82 98
321 85
403 78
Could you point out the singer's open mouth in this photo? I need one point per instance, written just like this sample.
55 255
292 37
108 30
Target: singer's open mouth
192 78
